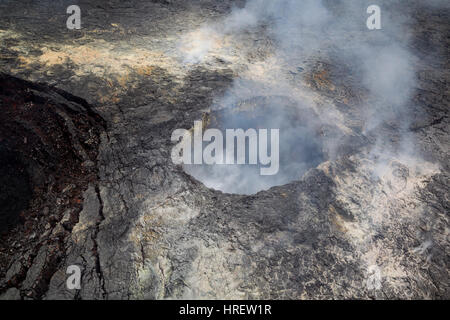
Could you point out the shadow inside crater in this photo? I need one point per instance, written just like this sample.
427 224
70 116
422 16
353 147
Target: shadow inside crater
15 189
300 145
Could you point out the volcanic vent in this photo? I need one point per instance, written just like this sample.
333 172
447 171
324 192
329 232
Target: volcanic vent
300 145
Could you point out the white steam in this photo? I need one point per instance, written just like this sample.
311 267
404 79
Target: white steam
305 31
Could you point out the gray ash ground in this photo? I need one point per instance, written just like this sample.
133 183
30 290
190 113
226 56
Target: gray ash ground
104 194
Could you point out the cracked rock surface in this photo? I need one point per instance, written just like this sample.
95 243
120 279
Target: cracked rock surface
89 138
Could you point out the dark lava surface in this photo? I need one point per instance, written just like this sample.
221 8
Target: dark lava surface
15 189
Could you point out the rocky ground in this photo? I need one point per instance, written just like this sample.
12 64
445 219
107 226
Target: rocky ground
87 137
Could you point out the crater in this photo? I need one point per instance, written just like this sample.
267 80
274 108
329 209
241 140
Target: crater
300 145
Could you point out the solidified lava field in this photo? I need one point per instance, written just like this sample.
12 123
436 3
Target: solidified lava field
359 208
